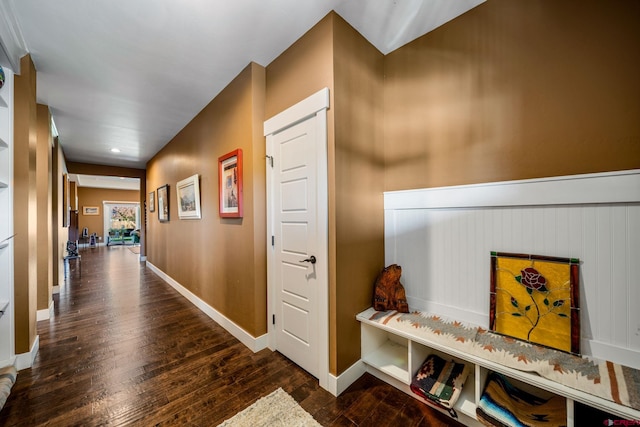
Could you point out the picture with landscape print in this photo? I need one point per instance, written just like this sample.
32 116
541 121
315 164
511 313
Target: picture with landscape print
188 193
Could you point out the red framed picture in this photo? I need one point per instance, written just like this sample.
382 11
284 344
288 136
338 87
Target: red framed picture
230 184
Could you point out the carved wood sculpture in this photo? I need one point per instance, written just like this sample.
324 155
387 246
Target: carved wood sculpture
388 291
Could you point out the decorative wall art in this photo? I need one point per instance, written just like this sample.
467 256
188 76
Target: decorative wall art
230 184
535 298
163 203
90 210
188 193
152 201
65 200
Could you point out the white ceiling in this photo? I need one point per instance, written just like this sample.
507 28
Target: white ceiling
113 182
130 74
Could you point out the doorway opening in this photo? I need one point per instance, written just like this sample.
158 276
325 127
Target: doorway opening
121 222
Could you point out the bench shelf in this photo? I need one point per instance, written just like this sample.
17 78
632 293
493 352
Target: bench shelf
394 355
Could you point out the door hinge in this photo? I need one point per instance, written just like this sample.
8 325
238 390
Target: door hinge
270 159
274 319
273 240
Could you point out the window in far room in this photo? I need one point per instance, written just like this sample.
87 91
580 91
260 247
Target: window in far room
121 219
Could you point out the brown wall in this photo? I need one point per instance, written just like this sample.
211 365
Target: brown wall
88 196
25 206
332 54
358 197
507 91
303 69
44 187
222 261
515 90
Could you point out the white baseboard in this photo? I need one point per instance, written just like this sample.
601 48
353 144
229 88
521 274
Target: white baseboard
56 289
45 313
25 360
143 258
253 343
336 385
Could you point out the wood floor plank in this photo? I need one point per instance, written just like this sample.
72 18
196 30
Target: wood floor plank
124 348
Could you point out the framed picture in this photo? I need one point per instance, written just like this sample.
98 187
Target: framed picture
535 298
188 194
163 203
230 184
65 200
90 210
152 201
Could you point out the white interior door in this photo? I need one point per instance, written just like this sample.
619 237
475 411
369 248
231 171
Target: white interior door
298 265
295 245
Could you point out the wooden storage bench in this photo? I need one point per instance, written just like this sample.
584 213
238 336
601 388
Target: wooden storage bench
394 345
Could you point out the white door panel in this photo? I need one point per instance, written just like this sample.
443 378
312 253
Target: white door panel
297 217
295 241
294 196
294 281
294 238
296 321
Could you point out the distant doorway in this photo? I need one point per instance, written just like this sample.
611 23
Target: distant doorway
121 220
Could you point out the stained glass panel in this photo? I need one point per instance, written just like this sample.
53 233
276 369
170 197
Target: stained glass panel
535 298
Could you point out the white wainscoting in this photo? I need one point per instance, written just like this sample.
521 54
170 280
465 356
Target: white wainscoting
442 238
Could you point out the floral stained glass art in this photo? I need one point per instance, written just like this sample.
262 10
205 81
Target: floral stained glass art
535 298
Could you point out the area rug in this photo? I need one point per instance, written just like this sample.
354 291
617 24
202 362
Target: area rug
7 379
276 409
134 249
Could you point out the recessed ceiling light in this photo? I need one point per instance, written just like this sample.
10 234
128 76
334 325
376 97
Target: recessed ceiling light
115 150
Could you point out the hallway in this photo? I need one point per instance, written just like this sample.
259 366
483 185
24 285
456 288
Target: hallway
124 348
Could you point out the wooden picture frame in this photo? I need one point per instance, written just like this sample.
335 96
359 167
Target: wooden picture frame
65 200
91 210
230 184
188 197
163 203
152 201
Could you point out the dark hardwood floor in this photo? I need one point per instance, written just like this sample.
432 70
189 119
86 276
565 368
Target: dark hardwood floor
124 348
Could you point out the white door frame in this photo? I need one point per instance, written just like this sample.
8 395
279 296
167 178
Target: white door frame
105 217
315 105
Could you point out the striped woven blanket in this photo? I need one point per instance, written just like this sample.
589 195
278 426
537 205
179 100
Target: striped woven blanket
503 404
439 380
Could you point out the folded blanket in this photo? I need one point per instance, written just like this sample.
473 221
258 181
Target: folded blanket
439 380
503 404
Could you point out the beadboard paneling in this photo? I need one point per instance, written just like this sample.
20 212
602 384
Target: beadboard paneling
444 249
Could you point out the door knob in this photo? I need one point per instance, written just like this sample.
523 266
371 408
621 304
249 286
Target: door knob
311 259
